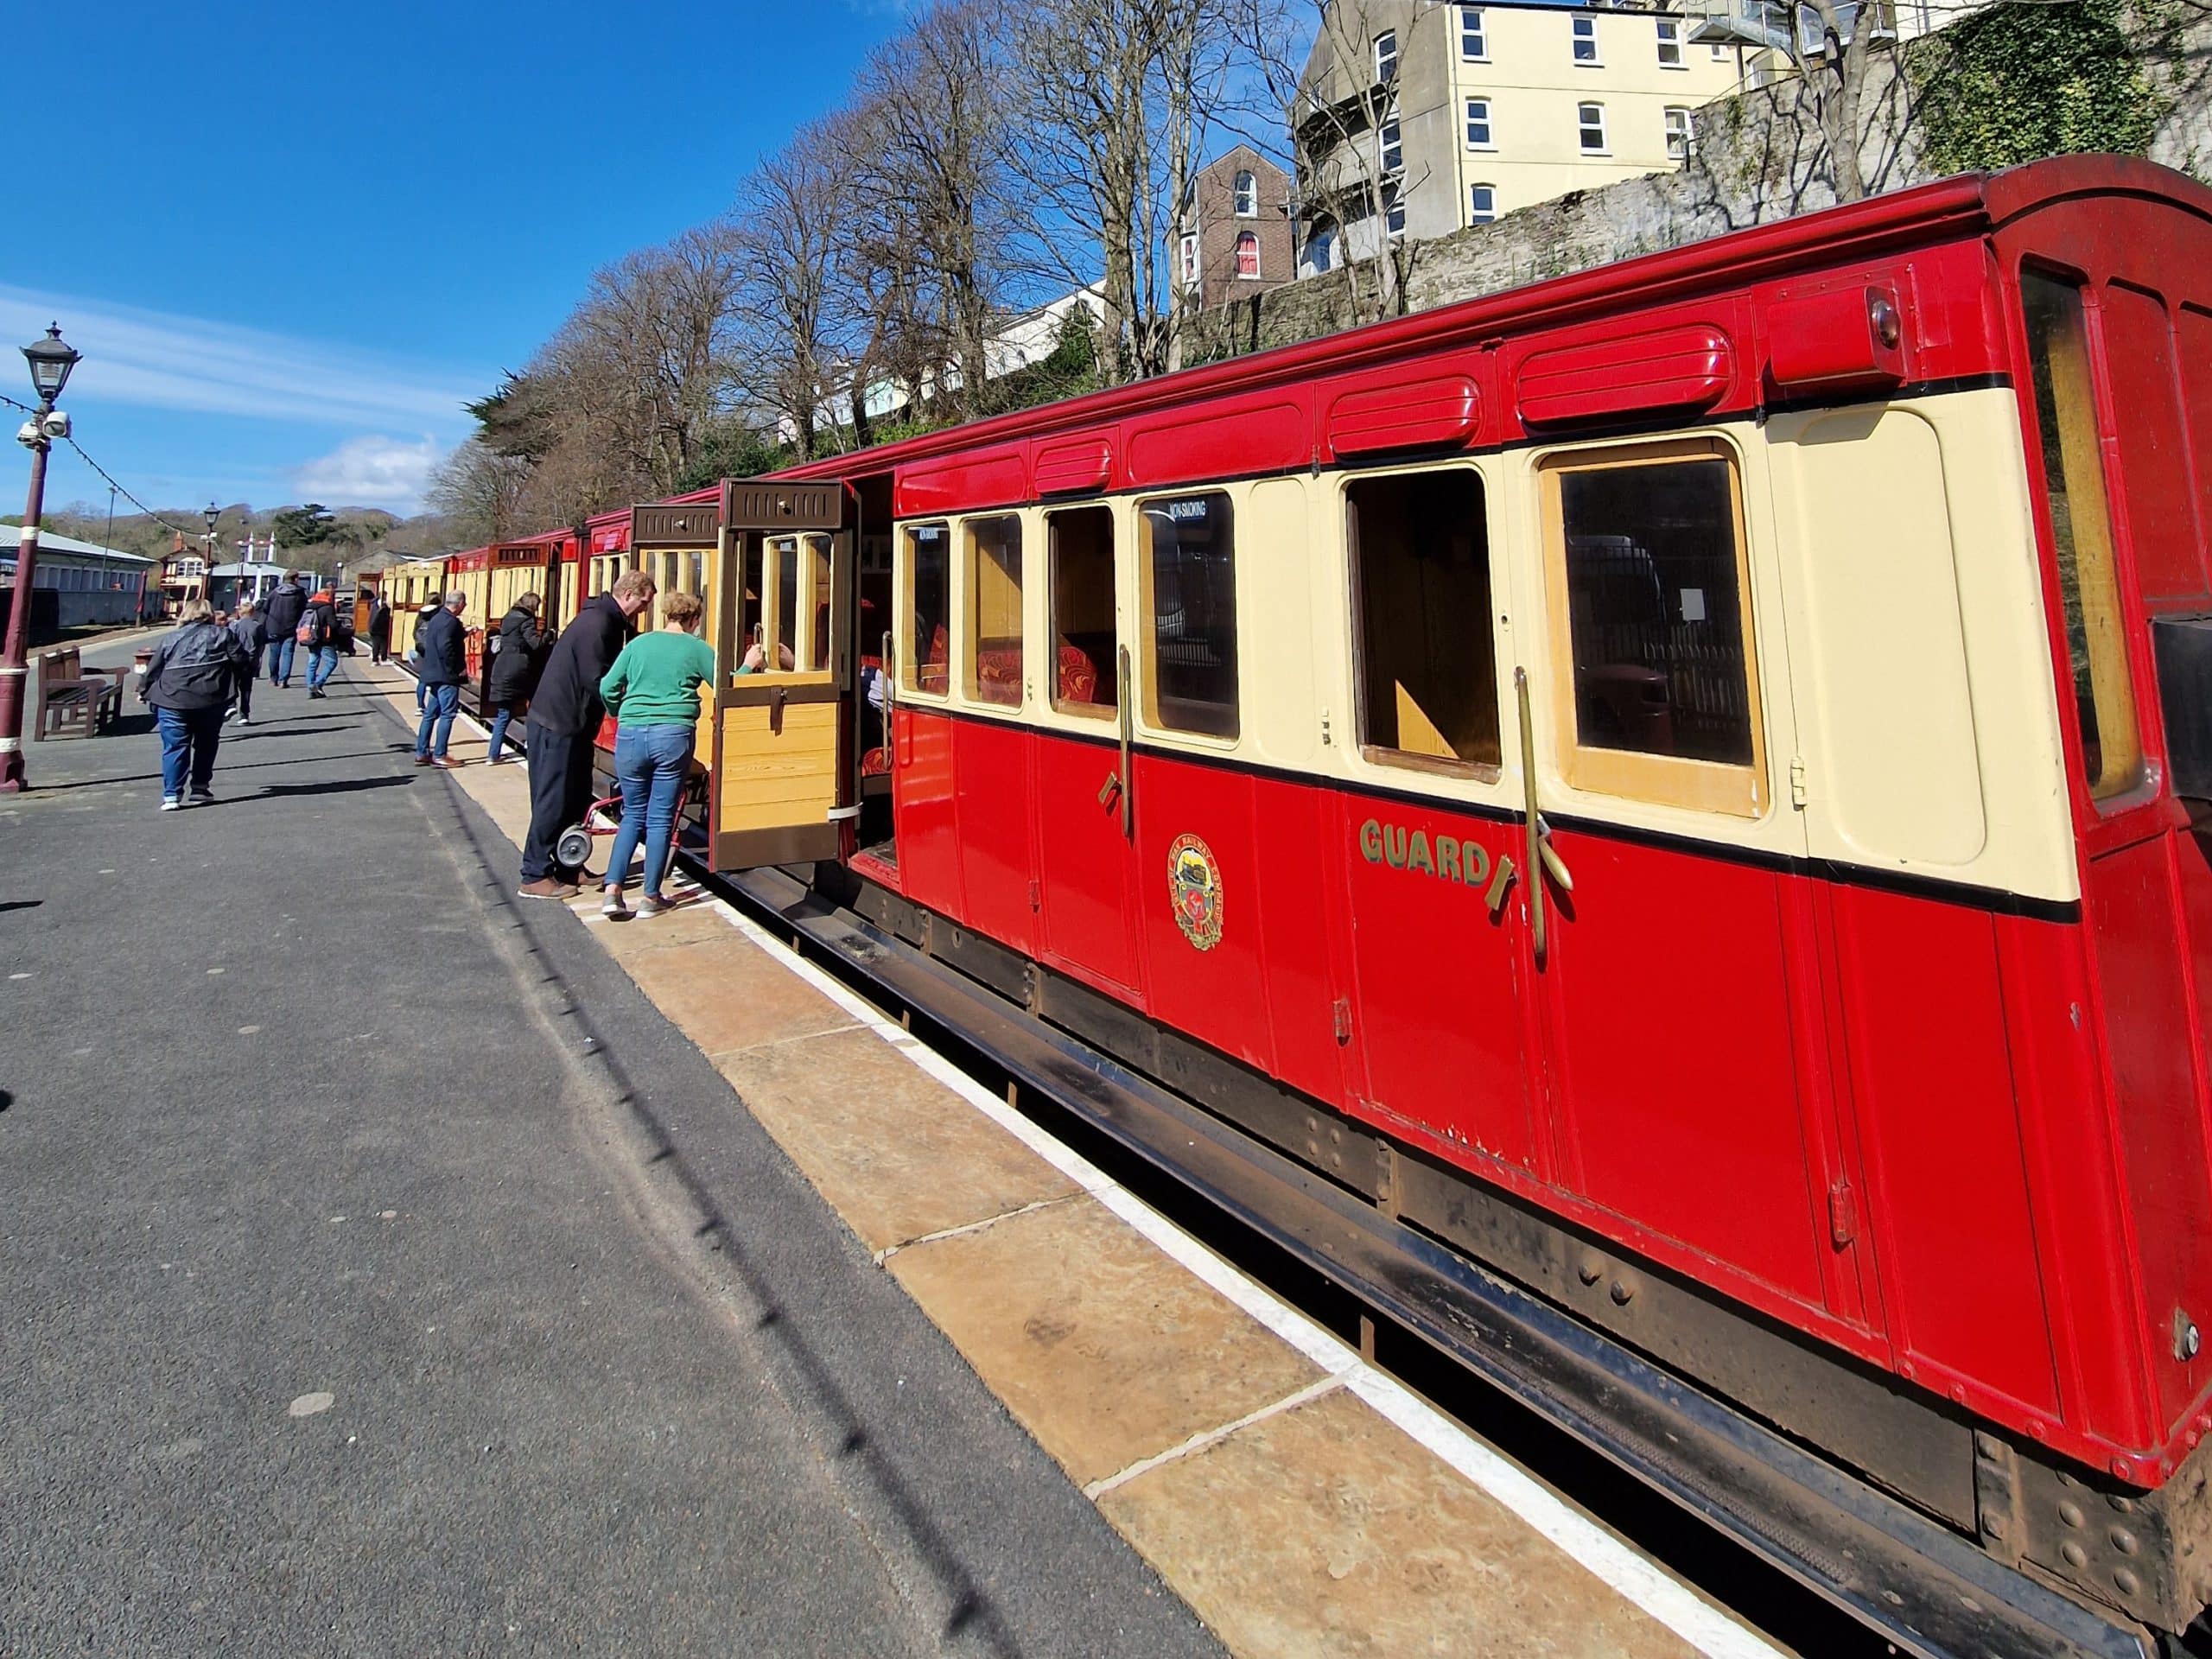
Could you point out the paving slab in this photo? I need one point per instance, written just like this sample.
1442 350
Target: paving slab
728 994
1323 1530
1106 1349
895 1153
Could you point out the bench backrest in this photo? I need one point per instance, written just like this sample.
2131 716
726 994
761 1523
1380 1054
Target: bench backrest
66 663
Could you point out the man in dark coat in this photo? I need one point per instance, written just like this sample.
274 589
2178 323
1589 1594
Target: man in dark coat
515 654
444 645
279 621
564 717
252 634
189 680
379 629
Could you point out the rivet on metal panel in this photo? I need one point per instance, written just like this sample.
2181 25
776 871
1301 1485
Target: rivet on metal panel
1590 1269
2076 1557
2070 1513
2121 1504
2126 1581
2186 1339
1624 1292
2124 1541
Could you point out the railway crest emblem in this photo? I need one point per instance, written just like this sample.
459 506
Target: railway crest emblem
1194 891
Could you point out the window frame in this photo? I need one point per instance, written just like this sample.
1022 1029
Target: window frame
1394 209
1582 126
909 666
968 644
1710 787
1146 661
1378 756
1688 135
1390 136
1244 194
1385 52
1582 31
1248 240
1488 140
1477 214
1187 257
1108 672
1472 22
1661 26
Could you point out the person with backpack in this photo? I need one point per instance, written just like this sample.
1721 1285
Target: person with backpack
188 681
247 629
514 668
279 621
444 645
318 633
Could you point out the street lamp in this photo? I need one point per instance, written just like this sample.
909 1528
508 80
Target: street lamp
50 361
207 565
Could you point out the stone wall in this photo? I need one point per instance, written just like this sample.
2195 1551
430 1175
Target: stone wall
1760 157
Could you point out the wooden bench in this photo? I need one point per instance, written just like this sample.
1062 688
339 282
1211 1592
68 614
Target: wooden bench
73 697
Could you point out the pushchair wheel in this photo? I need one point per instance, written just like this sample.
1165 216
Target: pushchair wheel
573 850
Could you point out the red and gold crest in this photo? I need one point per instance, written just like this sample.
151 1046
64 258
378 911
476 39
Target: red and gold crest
1194 890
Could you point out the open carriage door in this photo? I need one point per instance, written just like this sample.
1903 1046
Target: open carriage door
782 788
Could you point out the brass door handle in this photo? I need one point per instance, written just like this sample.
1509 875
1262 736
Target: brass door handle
1110 788
1538 854
1128 735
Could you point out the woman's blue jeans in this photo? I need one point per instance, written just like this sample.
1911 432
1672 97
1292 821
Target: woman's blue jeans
501 715
650 763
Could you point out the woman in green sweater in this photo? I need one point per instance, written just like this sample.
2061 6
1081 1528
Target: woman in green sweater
653 693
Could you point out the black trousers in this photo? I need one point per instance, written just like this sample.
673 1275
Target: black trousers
559 790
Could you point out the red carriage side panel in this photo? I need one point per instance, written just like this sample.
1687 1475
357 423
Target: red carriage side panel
1084 871
1302 913
928 828
2166 535
991 776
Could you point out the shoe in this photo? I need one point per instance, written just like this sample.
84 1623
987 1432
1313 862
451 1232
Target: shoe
653 904
422 759
547 887
171 804
245 720
203 797
315 693
445 765
614 906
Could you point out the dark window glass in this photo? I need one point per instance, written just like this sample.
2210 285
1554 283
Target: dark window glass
1194 614
786 549
818 549
929 647
1084 637
1420 575
1655 610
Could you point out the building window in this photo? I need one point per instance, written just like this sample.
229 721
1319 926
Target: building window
1421 598
1248 196
1478 123
1590 119
1394 210
1187 254
1386 57
1719 52
994 609
1191 576
2081 534
1320 247
1482 203
1670 43
1248 254
1680 136
1474 45
1586 39
1389 143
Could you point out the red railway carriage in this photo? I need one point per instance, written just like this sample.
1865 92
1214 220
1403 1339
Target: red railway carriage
1683 782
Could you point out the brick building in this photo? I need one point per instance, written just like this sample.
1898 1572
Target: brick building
1232 235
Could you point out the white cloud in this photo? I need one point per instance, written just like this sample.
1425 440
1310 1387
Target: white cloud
370 472
161 360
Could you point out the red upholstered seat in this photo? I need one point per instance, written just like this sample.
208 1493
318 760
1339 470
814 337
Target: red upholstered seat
931 671
876 763
1078 675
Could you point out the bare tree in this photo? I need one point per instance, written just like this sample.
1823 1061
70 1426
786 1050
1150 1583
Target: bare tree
480 492
787 213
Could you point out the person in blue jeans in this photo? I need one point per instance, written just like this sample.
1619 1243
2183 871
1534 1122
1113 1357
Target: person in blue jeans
320 620
189 681
280 617
653 691
444 647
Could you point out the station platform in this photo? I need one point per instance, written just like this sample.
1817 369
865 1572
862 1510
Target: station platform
402 1264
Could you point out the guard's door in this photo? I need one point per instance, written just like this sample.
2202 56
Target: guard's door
783 786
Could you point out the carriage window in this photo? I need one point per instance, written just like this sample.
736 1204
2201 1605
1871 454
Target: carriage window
1192 580
1086 642
929 597
2081 534
818 546
786 550
994 646
1420 575
1650 566
753 584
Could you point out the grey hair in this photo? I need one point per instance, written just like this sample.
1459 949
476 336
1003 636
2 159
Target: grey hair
456 597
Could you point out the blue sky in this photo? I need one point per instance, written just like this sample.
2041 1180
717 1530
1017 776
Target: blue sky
289 239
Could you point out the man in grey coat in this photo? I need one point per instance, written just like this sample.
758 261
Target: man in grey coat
247 629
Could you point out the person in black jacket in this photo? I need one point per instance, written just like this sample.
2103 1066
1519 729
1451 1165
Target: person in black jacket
514 668
379 629
279 621
252 634
189 681
564 718
444 646
415 651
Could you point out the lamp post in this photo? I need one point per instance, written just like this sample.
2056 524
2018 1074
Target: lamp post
50 362
208 564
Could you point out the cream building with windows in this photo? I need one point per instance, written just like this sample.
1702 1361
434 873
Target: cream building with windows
1417 118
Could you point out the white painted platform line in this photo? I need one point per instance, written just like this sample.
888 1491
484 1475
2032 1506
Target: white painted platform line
1639 1581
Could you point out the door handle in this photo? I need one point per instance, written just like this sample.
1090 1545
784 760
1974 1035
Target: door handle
1128 734
776 701
1110 788
1539 856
